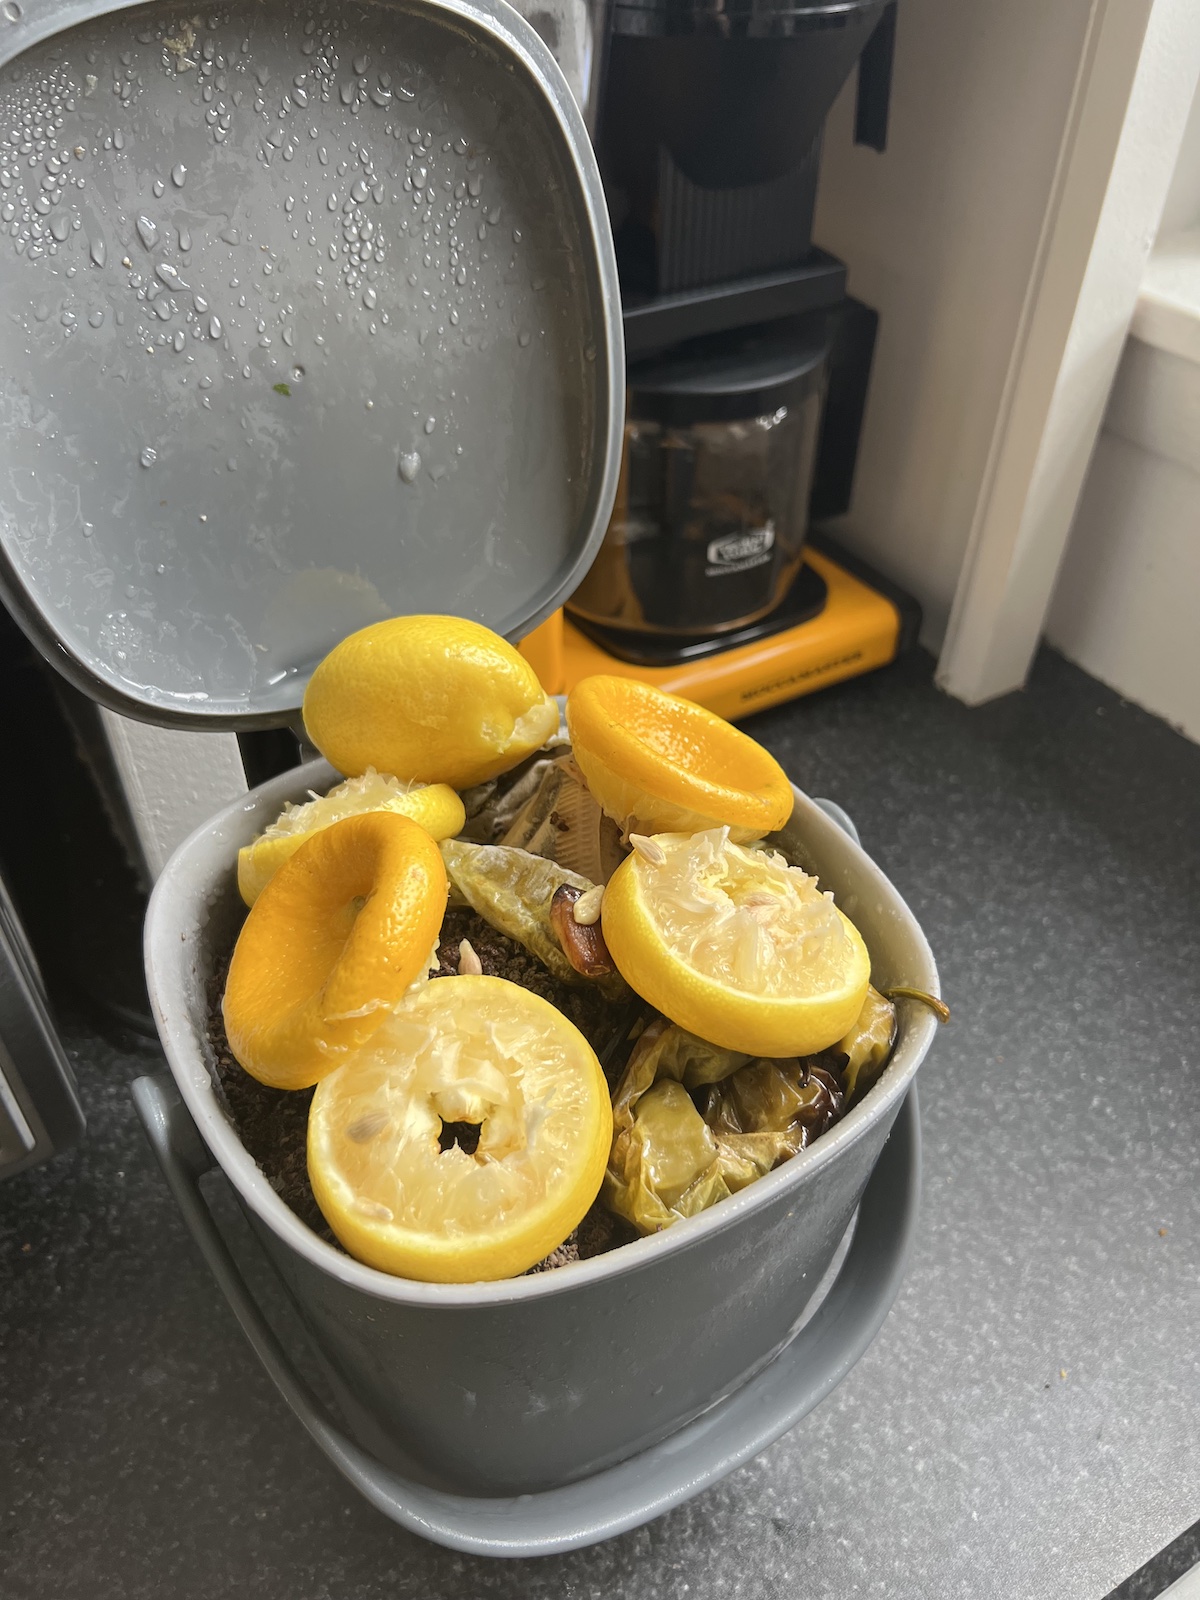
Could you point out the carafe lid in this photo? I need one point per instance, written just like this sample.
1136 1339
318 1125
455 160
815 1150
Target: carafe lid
311 318
733 376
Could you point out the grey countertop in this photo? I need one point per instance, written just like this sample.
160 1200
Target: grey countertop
1026 1422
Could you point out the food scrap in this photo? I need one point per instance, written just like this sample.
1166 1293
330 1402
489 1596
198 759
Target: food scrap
553 993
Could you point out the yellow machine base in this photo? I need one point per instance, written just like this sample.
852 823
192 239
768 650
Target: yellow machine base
859 629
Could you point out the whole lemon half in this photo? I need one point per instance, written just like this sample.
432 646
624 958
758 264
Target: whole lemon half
429 699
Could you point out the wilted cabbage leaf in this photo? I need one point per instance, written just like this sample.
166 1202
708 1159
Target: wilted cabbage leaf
671 1159
868 1045
512 890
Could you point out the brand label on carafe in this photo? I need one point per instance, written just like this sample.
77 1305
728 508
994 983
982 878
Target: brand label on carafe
736 552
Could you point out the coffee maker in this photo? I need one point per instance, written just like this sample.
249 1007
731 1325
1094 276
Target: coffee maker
747 360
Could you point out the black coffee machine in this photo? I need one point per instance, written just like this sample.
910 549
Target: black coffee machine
748 363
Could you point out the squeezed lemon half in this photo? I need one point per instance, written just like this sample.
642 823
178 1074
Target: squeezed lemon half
433 806
331 946
657 763
734 944
466 1140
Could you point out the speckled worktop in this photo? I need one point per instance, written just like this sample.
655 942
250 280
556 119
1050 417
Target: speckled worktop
1024 1426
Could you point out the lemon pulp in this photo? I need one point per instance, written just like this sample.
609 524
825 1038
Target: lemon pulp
734 945
434 807
466 1140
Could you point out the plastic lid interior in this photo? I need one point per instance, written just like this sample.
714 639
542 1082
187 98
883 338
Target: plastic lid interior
310 321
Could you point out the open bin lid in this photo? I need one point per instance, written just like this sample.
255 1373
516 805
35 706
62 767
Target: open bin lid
308 317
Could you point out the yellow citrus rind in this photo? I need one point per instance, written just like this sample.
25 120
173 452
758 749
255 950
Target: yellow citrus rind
429 698
657 763
434 807
476 1052
331 946
735 946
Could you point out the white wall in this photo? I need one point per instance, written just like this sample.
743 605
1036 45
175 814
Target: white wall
173 781
1182 209
1127 600
1127 603
940 234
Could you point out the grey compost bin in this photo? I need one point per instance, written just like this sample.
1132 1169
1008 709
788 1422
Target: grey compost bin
310 318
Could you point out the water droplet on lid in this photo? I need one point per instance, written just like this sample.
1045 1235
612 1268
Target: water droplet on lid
60 227
297 372
361 63
331 203
523 338
410 465
381 97
179 175
370 298
185 239
420 177
474 184
98 252
130 591
359 191
430 424
163 309
118 139
159 188
96 318
516 235
148 457
179 340
231 464
169 275
214 330
147 232
11 11
231 236
89 529
161 568
347 92
42 313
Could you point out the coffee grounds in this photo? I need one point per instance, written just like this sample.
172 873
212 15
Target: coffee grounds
273 1123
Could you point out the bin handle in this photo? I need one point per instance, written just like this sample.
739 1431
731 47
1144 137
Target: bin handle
635 1491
